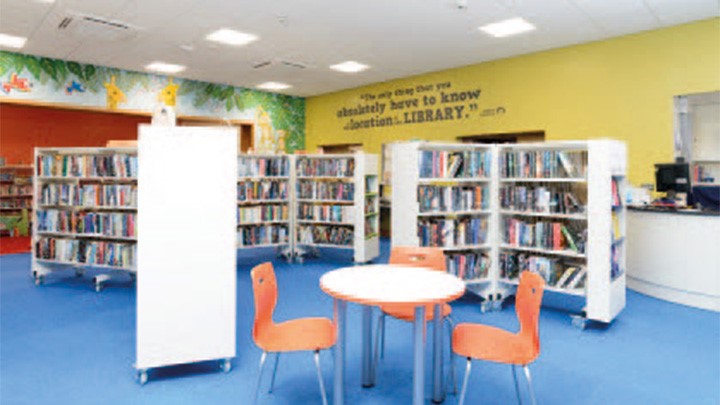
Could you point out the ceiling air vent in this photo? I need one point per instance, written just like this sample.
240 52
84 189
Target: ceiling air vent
85 26
279 64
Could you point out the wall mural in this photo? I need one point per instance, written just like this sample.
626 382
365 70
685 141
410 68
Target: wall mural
280 119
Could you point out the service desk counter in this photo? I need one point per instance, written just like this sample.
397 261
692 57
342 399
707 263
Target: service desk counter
675 256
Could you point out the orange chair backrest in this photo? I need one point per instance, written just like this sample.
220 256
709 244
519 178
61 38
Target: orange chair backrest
430 257
265 292
527 305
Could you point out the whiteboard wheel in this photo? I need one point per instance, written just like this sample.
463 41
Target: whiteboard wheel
142 377
226 365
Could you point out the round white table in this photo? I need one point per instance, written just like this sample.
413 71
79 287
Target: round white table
372 285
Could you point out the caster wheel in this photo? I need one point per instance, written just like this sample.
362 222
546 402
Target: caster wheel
79 273
497 305
485 306
579 322
142 377
39 280
226 365
300 260
98 287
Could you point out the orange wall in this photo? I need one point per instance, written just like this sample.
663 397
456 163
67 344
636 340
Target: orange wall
24 127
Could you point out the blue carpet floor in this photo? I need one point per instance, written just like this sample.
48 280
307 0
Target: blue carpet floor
63 343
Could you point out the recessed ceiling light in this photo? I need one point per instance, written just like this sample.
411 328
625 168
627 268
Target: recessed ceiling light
163 67
273 86
231 37
11 41
349 67
506 28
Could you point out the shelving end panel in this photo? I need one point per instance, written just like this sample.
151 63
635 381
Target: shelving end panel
404 208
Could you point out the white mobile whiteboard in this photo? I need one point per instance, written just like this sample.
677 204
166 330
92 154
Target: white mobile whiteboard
186 294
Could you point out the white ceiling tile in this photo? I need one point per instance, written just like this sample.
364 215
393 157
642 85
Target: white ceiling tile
21 17
672 12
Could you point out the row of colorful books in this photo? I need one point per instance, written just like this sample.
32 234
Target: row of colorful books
544 164
539 199
89 195
468 266
448 164
262 235
262 213
15 189
262 190
323 190
16 203
325 234
339 167
543 235
107 224
370 206
330 213
263 166
464 231
86 252
117 165
557 273
453 198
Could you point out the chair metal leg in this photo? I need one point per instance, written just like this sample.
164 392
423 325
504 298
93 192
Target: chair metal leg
529 381
320 377
451 326
382 329
260 370
517 388
376 356
272 380
465 381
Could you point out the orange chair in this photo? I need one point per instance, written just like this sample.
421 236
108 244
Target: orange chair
296 335
429 257
492 344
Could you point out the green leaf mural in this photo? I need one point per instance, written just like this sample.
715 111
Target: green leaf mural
52 76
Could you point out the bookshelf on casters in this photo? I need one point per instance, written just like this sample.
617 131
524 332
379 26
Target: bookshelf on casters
554 208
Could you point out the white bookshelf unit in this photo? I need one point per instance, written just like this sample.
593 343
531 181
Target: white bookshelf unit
555 208
264 204
443 196
336 204
84 211
16 195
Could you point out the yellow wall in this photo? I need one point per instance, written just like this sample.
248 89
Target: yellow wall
620 88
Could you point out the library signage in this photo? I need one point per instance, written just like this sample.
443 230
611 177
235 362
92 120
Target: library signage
433 102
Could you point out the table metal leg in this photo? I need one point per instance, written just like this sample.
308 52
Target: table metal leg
438 387
368 374
340 308
419 356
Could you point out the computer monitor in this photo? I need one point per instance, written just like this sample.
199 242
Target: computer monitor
672 177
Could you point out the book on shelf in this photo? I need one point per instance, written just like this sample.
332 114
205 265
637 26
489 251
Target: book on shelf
325 234
539 199
73 222
556 272
88 165
9 190
452 198
255 166
308 166
323 190
454 164
262 190
543 235
86 252
468 266
89 195
448 233
616 199
262 235
543 164
327 213
267 212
